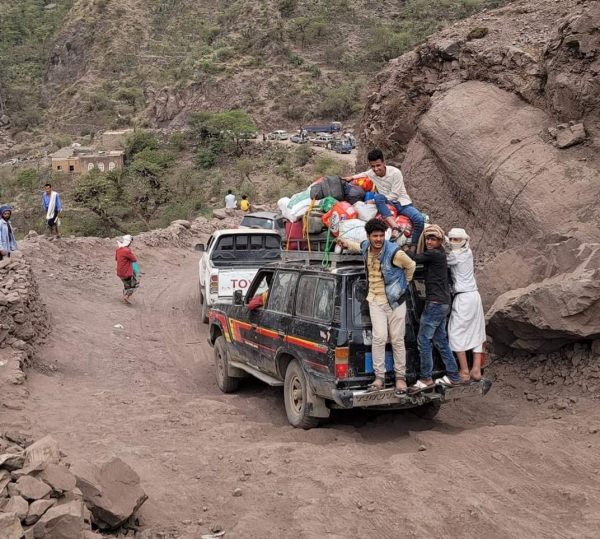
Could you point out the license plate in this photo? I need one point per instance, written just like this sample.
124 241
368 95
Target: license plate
451 393
376 398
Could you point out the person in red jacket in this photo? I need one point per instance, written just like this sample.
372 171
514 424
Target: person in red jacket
127 267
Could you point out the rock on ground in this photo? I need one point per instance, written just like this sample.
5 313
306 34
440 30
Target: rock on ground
111 491
10 526
65 521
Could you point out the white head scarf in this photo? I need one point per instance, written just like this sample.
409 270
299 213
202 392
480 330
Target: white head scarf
127 239
461 234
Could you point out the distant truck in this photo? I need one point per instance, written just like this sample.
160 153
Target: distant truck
333 127
230 261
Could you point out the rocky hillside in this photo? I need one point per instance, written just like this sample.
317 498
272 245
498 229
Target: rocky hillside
496 122
82 66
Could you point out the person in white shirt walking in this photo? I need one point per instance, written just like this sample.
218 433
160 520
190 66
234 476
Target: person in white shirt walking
391 190
230 201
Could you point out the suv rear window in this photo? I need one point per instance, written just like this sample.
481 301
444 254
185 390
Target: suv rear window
259 222
317 298
360 305
281 295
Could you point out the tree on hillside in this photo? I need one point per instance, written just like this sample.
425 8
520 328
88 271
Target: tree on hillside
100 193
233 125
139 141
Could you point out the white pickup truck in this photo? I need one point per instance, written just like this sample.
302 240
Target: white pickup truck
230 260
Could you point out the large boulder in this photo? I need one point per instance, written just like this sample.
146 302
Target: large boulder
32 488
111 491
472 116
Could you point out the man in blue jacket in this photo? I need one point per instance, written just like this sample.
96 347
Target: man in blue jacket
7 236
389 270
53 209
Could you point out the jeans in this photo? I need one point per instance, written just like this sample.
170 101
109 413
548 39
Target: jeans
408 211
433 328
389 324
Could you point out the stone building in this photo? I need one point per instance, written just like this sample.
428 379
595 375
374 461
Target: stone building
78 160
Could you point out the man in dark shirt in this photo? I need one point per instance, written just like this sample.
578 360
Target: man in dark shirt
437 308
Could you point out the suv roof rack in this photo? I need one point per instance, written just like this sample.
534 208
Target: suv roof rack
314 258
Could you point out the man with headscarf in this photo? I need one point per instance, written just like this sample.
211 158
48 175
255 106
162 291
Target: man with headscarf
7 236
127 268
466 328
432 328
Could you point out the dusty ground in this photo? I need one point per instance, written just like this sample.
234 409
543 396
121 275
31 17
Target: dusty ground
496 467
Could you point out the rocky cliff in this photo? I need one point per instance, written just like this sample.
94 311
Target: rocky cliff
495 123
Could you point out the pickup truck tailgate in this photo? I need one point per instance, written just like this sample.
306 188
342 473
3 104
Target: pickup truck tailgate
235 279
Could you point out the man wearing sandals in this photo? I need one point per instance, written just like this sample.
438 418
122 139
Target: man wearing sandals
389 270
391 190
432 327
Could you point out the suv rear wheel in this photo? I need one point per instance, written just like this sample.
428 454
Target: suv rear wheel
427 411
226 383
295 391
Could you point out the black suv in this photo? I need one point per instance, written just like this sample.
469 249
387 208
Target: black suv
313 337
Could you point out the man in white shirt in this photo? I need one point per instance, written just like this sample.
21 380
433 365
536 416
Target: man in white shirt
230 201
391 190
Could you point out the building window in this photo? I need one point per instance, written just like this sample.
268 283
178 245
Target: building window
111 166
58 167
71 168
101 167
90 166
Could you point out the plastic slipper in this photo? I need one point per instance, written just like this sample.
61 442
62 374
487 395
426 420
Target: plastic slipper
419 386
400 392
445 381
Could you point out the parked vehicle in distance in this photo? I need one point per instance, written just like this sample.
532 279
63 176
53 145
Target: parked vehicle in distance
323 140
333 127
263 219
350 138
251 135
299 139
342 146
230 260
278 135
313 337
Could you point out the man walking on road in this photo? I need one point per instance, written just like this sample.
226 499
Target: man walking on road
53 209
389 270
391 190
127 268
7 236
432 328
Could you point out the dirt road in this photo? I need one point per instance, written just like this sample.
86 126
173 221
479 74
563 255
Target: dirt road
498 467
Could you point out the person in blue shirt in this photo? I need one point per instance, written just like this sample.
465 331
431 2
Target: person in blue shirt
52 207
7 236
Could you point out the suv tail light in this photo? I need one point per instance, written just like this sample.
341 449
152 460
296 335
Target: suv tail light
341 362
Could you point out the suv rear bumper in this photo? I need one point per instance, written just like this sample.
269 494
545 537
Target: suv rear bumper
346 398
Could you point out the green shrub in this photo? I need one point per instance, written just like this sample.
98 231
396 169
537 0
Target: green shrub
177 141
28 179
205 158
139 141
303 155
61 141
327 166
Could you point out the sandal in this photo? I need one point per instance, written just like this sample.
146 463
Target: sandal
375 386
475 378
445 381
400 391
420 386
395 237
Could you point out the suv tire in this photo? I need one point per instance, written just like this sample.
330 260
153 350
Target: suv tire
427 411
226 383
295 390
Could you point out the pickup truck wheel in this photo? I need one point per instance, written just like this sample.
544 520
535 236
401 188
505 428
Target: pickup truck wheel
295 390
427 411
205 309
226 383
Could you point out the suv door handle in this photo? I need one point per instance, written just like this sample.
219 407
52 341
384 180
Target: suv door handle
253 326
281 333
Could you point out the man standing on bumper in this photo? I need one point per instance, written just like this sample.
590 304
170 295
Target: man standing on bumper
391 190
53 209
389 270
437 308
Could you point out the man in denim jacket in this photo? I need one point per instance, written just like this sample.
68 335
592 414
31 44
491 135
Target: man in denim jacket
389 271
